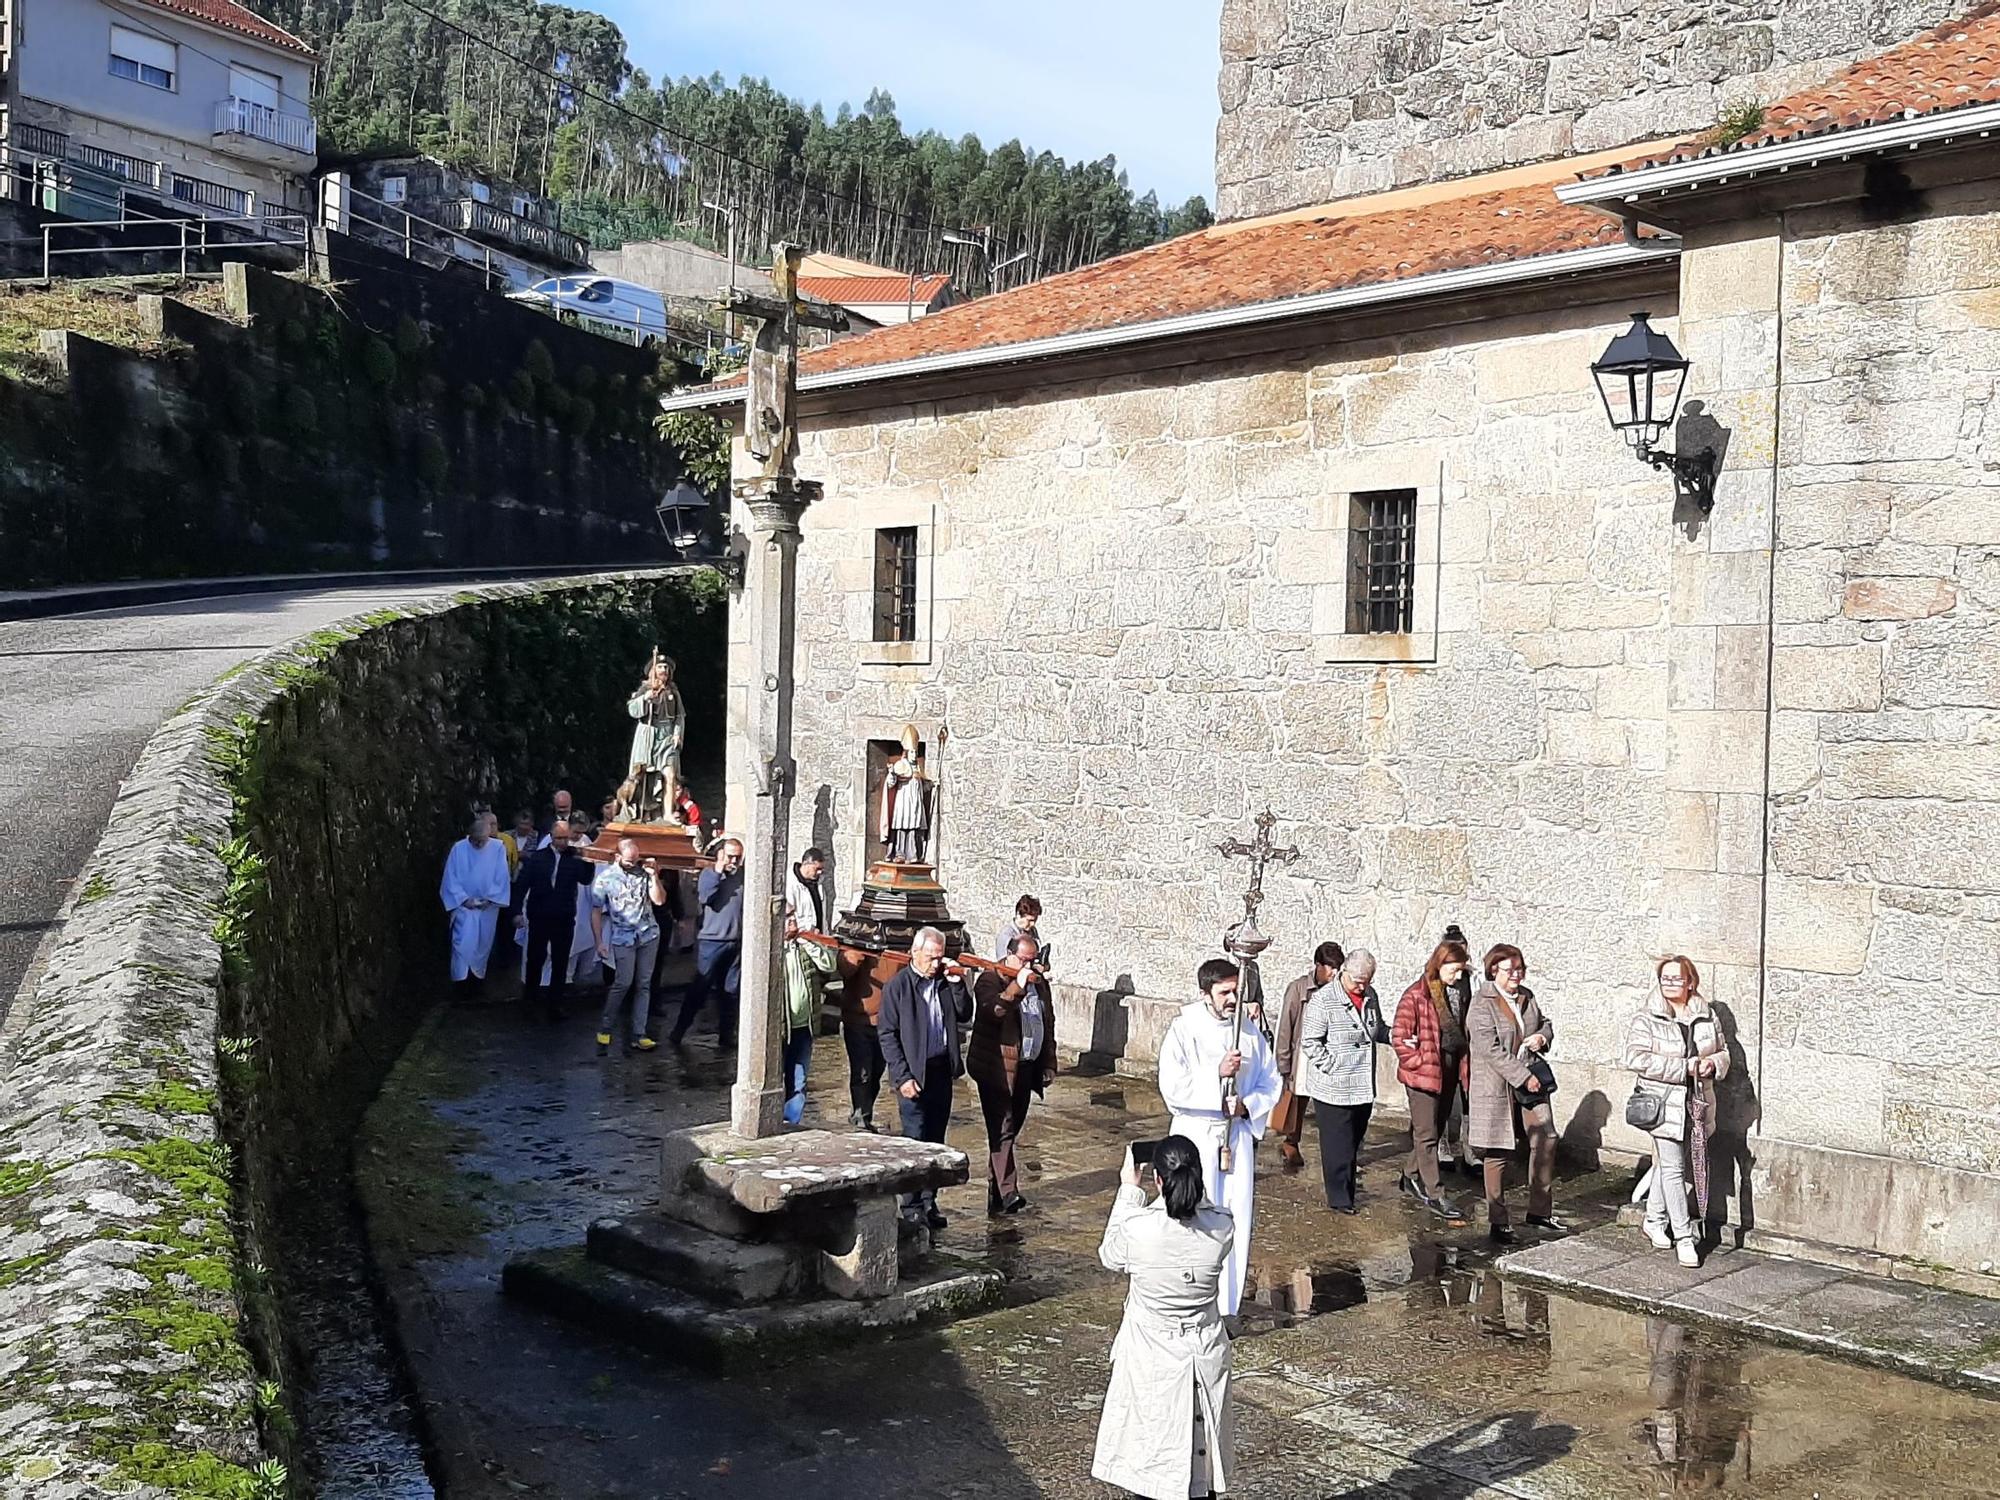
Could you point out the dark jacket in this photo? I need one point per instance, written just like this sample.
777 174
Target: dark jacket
721 906
549 879
993 1055
904 1026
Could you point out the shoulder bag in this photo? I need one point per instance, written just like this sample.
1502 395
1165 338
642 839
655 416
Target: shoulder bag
1646 1109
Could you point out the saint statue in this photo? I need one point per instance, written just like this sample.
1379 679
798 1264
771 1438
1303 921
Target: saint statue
906 804
654 788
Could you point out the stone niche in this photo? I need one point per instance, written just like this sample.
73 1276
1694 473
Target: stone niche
1323 99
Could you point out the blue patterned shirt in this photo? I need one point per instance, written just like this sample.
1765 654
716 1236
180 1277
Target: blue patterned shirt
626 899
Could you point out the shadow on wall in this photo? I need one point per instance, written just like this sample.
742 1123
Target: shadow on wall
1583 1137
1697 431
1110 1021
1730 1156
823 840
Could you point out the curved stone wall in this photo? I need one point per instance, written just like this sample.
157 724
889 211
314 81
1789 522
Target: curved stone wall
209 1023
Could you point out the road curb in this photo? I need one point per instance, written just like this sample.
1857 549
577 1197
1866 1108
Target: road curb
51 603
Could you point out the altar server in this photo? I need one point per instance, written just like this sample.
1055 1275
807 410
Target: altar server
475 889
1201 1052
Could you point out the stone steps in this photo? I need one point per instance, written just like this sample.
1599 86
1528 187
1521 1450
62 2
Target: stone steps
726 1271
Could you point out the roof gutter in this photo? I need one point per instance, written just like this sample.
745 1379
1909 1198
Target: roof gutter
1809 151
1435 284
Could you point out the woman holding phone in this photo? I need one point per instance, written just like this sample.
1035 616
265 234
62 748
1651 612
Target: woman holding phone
1166 1431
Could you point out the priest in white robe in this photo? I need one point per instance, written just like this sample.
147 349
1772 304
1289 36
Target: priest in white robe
1194 1060
475 890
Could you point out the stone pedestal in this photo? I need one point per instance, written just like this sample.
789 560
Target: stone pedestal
896 900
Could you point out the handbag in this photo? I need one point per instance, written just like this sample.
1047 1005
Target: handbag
1538 1069
1646 1109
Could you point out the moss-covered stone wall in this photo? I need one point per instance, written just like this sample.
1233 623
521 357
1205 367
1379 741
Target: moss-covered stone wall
218 1007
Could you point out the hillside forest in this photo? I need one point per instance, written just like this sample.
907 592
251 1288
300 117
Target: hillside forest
545 97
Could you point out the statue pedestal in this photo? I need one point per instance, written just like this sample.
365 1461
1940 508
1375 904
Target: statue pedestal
672 844
896 900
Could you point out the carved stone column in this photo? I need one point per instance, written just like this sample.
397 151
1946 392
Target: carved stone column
770 606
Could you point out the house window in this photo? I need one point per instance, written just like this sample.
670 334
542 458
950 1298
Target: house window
143 59
255 86
1381 562
395 189
896 583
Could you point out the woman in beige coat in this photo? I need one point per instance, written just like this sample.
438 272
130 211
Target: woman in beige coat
1166 1430
1678 1050
1503 1026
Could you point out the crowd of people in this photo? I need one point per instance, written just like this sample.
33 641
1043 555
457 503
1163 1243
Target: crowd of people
1470 1042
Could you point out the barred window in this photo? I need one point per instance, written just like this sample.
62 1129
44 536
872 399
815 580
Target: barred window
896 583
1381 562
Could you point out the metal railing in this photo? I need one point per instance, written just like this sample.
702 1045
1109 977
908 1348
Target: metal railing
470 216
40 141
260 122
117 164
202 193
189 236
395 226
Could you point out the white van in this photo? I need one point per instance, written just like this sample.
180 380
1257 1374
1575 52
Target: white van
619 310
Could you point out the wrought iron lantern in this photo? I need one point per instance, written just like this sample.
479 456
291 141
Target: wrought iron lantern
685 516
1640 377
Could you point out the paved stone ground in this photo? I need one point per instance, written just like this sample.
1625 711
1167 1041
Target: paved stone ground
1941 1335
1383 1356
79 697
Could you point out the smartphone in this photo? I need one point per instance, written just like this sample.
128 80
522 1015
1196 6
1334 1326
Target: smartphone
1143 1153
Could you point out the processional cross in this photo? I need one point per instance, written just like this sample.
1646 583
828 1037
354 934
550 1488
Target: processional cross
771 400
1260 852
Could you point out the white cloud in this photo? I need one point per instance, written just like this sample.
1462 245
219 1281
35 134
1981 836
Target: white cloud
1083 78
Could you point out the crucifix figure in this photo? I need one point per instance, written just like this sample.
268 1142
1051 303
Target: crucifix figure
1260 852
771 402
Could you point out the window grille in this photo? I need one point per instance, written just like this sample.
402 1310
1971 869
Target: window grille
1381 562
896 583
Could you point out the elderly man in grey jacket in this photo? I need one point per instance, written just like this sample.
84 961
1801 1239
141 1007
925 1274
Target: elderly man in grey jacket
1343 1023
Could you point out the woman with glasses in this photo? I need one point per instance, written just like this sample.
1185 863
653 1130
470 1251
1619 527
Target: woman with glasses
1504 1029
1677 1049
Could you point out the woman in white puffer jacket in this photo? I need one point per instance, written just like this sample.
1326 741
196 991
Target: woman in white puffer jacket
1676 1047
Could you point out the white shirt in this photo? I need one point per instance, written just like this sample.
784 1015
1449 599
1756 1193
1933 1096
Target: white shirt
1033 1027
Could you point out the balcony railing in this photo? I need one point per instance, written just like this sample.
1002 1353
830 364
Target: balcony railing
483 220
211 195
113 164
260 122
51 143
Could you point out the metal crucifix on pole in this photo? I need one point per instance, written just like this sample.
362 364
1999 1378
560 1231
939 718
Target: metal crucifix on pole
1242 941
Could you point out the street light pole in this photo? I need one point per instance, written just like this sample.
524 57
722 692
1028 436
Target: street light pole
729 215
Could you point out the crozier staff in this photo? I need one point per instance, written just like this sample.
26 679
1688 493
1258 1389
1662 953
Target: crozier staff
1198 1061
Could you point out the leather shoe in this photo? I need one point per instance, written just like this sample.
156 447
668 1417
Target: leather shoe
1014 1204
1405 1183
1548 1223
1500 1234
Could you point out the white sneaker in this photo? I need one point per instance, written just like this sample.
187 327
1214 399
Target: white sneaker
1657 1233
1689 1256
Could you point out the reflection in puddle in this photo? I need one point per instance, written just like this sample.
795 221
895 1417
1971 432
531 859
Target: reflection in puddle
1303 1293
1697 1436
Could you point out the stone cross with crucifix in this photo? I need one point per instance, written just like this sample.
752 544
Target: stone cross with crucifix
771 402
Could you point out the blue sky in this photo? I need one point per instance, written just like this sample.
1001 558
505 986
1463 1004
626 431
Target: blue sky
1135 78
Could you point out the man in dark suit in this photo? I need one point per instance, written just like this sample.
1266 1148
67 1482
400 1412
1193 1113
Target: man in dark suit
545 909
1012 1058
922 1009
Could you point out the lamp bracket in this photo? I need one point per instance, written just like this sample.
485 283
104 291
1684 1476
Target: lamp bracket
1694 473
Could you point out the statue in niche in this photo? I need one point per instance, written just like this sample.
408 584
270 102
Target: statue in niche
652 794
906 804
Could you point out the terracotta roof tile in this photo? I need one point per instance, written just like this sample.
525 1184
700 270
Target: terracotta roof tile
1948 67
238 18
1242 265
848 290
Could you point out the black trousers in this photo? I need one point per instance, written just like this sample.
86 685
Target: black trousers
1006 1110
1341 1127
926 1118
864 1066
548 940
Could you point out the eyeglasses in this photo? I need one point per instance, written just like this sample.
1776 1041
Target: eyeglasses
1515 969
1672 979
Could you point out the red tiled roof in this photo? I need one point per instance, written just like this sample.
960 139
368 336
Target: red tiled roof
1242 265
1948 67
868 290
238 18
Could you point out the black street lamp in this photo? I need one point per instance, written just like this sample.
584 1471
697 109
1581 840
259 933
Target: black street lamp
684 514
1640 377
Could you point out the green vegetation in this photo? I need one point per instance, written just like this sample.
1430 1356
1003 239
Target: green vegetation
1734 123
854 182
418 1199
94 889
104 310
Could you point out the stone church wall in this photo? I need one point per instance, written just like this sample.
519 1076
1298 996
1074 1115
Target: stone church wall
1124 593
1329 98
1882 1025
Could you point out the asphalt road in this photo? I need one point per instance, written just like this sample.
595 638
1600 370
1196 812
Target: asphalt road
79 697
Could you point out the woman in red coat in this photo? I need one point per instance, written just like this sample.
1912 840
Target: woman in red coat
1430 1049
